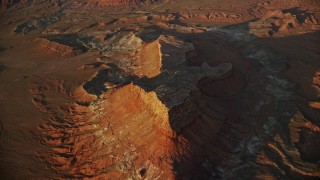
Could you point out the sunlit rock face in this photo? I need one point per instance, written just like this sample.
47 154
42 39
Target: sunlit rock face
142 58
126 134
135 134
149 59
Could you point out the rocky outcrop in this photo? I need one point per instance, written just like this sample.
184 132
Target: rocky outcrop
153 18
149 61
119 3
279 22
114 2
158 95
52 47
138 57
125 134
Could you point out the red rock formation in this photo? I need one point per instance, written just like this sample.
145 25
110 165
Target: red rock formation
228 118
127 135
143 56
114 3
57 48
279 22
144 19
149 61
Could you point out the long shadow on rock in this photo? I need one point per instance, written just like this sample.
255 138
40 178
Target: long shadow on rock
73 40
106 79
304 70
238 127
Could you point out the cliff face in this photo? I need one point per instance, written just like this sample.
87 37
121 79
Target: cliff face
150 60
126 134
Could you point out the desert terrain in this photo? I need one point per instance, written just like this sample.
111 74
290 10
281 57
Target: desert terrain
160 89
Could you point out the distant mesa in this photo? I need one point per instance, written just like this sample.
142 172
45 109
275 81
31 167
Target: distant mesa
5 4
120 3
279 22
113 2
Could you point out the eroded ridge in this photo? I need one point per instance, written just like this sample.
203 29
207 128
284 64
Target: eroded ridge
122 135
166 130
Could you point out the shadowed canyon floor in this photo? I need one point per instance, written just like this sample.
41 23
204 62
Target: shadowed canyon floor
164 89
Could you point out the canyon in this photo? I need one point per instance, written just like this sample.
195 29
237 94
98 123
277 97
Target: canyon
160 89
